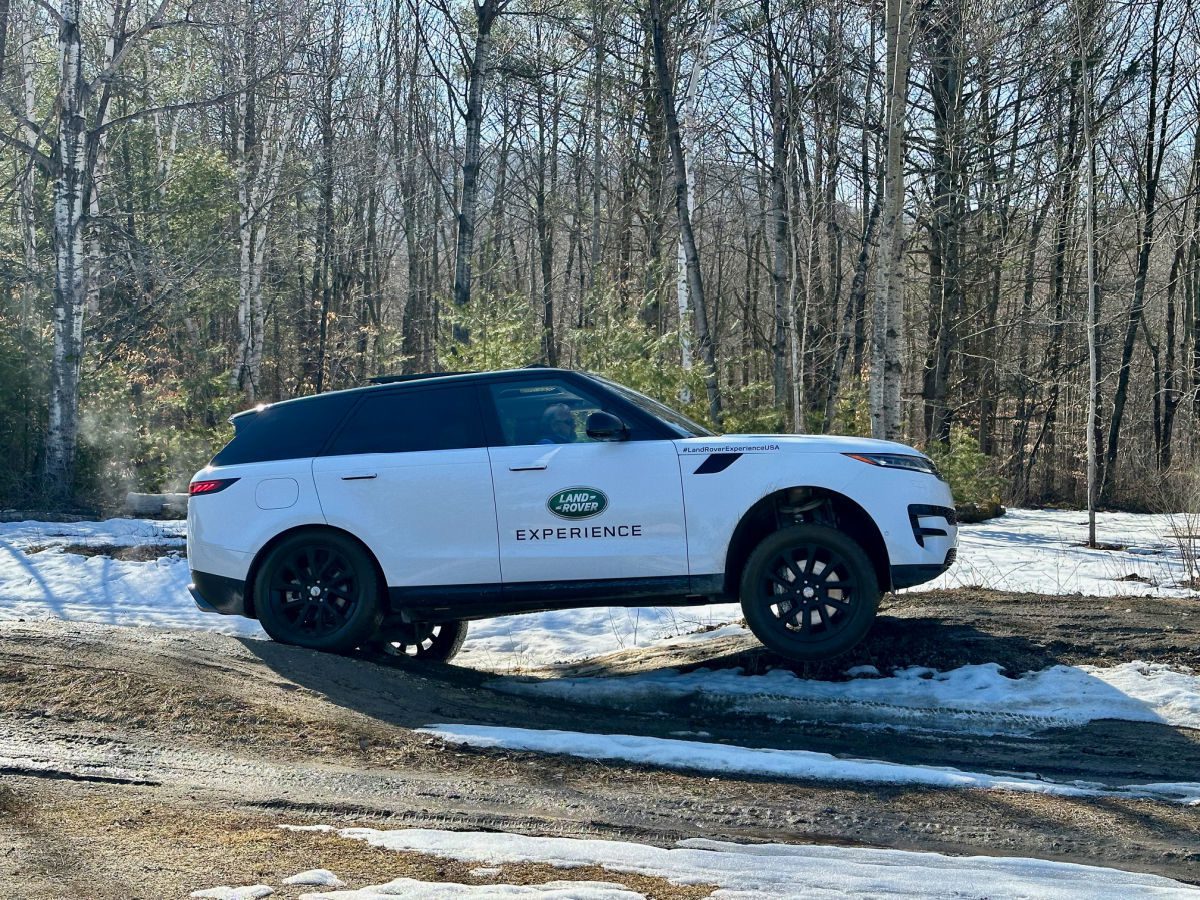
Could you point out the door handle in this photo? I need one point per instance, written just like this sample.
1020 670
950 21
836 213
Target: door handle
532 467
360 476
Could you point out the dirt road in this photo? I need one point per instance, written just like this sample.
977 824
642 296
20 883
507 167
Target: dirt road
145 763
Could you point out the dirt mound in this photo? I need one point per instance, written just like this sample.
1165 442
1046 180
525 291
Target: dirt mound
947 629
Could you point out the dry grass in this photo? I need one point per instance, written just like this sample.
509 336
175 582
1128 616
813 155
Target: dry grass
138 840
139 701
136 553
9 805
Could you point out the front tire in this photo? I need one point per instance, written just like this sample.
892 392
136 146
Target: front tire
809 592
318 590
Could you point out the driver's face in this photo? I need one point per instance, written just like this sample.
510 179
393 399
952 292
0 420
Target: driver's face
562 423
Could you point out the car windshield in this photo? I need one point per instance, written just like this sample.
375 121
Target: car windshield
677 422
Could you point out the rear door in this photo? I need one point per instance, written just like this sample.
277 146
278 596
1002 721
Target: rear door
570 509
409 474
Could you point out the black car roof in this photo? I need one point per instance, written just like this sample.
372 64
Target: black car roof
394 382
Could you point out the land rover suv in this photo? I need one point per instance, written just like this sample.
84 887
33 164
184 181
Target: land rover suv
390 515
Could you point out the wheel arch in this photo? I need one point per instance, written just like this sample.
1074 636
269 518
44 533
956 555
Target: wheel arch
315 528
805 504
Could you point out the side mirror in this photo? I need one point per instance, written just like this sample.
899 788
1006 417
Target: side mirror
602 426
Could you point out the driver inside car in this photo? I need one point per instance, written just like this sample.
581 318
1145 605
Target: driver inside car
558 425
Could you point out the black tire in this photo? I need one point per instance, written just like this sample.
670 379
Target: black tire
809 592
423 641
318 590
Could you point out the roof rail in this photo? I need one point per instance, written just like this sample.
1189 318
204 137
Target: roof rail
415 376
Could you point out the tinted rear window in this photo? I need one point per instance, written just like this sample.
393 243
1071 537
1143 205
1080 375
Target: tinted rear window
292 430
412 420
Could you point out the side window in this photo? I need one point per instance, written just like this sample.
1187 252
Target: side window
412 420
542 412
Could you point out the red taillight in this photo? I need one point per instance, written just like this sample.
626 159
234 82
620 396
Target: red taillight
211 486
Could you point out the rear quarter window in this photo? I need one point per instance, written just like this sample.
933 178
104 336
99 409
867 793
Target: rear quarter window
293 429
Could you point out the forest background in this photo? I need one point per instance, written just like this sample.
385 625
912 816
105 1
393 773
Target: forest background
972 226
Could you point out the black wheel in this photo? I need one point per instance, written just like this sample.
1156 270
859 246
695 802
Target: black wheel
809 592
431 641
318 590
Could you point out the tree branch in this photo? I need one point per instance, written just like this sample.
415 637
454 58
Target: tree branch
168 107
39 159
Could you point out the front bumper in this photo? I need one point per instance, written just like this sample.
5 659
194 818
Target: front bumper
909 576
935 530
218 594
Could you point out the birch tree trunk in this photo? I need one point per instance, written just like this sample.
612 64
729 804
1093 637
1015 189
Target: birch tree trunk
1090 239
682 207
70 297
257 180
888 315
682 294
263 123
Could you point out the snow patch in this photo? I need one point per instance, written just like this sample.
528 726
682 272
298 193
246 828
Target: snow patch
411 889
1041 551
318 877
978 698
253 892
538 639
792 872
863 672
796 764
49 583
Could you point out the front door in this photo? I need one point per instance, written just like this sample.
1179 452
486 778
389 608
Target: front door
570 509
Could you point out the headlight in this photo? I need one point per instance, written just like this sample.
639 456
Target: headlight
897 461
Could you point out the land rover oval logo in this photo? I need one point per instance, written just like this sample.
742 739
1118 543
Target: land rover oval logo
577 503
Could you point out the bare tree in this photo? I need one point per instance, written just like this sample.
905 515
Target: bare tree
888 317
477 59
666 93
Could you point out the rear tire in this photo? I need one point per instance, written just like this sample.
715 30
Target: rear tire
423 641
318 590
809 592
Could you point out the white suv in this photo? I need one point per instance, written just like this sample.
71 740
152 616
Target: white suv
390 515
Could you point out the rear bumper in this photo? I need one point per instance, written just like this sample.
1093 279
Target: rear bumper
218 594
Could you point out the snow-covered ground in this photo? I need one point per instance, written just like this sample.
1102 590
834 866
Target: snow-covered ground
1041 551
749 871
1034 551
38 579
803 765
978 699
